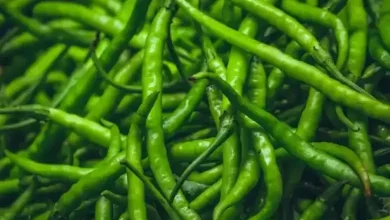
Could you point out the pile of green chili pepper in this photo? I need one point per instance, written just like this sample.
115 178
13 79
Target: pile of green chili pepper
195 109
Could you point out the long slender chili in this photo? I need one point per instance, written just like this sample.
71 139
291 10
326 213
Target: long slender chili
323 17
300 71
227 127
137 206
151 82
104 207
60 172
298 32
236 74
358 140
74 98
97 180
293 143
257 94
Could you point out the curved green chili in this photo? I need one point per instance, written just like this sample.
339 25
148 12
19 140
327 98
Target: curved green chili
227 127
207 177
137 206
151 82
377 51
331 88
323 17
299 33
60 172
207 196
293 143
248 176
347 155
383 23
97 180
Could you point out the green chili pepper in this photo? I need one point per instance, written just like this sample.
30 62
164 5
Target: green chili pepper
172 211
247 179
207 177
89 130
151 82
103 207
308 74
351 204
98 179
137 206
227 126
289 26
33 209
323 17
347 155
377 51
236 70
17 206
318 208
207 196
383 23
292 143
59 172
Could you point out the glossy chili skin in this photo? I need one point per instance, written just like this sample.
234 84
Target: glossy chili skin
88 129
298 32
60 172
377 50
207 196
383 23
228 125
236 74
216 65
172 211
294 144
247 179
96 181
257 94
347 155
152 82
358 140
185 108
104 207
323 17
76 97
300 71
111 96
137 206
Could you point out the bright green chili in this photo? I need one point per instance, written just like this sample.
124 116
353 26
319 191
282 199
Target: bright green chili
334 90
293 143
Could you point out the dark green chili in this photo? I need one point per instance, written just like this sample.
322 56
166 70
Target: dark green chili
17 206
321 204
